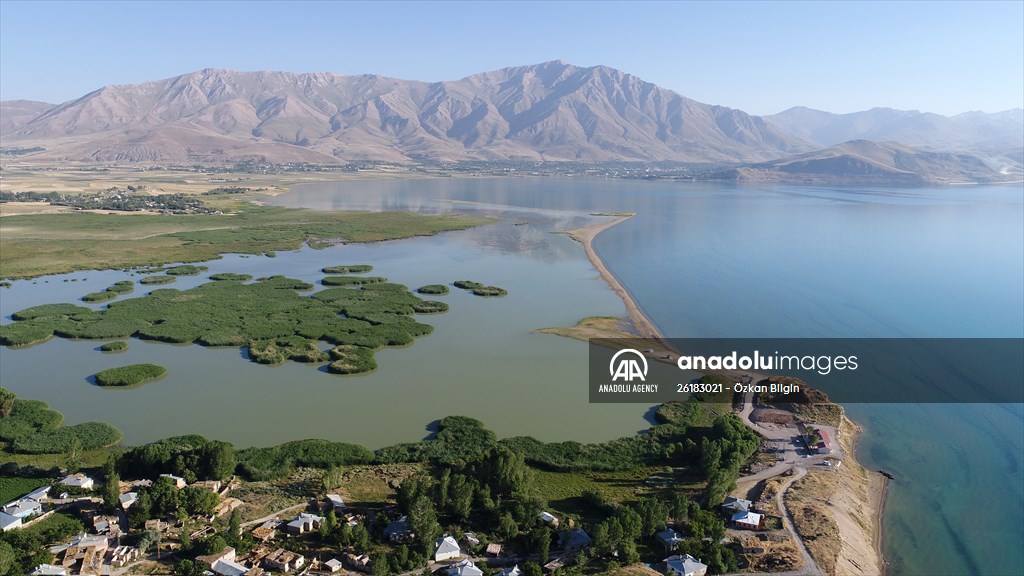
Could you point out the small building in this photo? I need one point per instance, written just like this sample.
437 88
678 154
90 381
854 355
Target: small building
23 508
224 563
40 494
284 560
446 548
127 499
267 531
179 482
494 549
464 568
106 525
78 481
87 551
575 539
211 485
684 565
48 570
748 520
669 539
513 571
304 523
360 562
124 555
8 522
398 530
471 539
336 502
816 439
737 504
548 518
334 565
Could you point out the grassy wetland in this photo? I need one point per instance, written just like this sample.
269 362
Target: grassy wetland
131 375
37 244
269 317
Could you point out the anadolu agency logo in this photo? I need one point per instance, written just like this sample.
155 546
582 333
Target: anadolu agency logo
625 365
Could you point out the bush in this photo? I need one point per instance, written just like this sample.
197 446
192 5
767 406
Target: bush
185 270
433 289
99 296
490 291
90 436
351 269
230 276
348 359
130 375
118 346
157 280
351 280
430 307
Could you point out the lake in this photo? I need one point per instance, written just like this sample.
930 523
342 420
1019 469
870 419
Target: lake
702 260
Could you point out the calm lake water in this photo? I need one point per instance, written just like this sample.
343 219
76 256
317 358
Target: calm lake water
702 260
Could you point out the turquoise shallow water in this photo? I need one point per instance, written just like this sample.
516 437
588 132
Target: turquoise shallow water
702 260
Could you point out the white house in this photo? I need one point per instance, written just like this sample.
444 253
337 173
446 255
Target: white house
464 568
284 560
334 565
549 518
737 504
304 523
471 539
23 508
446 548
748 520
127 499
513 571
79 481
669 538
575 539
39 494
685 565
336 502
8 522
179 482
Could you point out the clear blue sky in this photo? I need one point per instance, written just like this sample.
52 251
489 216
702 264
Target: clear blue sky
761 57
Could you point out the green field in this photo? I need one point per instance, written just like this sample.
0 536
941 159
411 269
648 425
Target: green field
13 487
39 244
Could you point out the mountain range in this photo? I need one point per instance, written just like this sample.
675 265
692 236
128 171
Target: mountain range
551 111
547 112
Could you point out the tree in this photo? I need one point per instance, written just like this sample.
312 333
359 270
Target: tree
148 539
6 550
235 523
111 491
73 456
507 527
188 568
6 402
542 540
461 497
380 565
164 496
332 478
186 531
140 511
199 501
531 569
423 523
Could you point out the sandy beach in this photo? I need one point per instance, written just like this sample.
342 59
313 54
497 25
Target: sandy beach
643 325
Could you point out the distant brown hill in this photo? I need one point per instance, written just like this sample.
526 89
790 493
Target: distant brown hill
552 111
865 162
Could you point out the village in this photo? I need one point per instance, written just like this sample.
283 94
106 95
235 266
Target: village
330 534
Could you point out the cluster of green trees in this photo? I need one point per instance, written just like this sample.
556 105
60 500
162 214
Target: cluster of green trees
114 199
191 457
131 375
723 453
32 427
278 461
